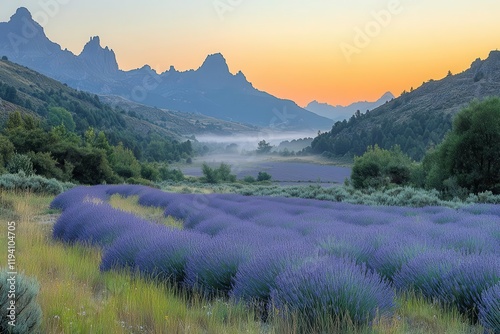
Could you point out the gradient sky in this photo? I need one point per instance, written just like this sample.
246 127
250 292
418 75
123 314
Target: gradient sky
289 48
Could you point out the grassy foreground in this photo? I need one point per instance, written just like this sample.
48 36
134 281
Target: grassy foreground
77 298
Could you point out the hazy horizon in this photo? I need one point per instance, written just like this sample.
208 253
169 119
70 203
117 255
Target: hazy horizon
334 52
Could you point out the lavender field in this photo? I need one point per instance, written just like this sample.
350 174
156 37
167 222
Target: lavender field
286 173
312 258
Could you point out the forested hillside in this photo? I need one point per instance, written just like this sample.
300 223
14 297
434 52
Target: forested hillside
416 121
48 100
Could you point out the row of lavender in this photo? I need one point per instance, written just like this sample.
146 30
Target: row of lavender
303 255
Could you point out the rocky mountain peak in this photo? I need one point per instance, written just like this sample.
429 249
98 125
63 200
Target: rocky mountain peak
21 12
22 23
102 59
215 63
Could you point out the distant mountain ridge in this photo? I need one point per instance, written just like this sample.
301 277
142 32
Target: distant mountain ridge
36 93
340 113
210 90
417 120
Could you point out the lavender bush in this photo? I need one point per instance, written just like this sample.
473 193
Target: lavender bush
332 288
427 272
302 255
463 286
255 278
165 255
489 309
212 268
123 252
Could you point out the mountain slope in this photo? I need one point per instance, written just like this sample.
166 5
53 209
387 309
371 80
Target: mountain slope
37 92
417 120
210 90
340 113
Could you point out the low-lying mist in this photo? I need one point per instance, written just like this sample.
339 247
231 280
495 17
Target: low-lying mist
249 142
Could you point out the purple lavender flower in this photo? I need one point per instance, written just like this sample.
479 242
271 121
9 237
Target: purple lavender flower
331 288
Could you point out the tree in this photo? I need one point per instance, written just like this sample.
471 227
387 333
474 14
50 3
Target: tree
20 163
14 121
470 154
378 168
209 174
264 147
124 162
46 166
263 176
6 150
217 175
60 116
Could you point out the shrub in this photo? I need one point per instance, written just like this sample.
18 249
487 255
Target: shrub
28 312
95 223
34 183
489 309
45 165
166 174
256 277
78 195
425 273
164 257
140 181
217 175
249 179
332 288
150 172
378 168
212 268
20 163
263 176
389 258
464 285
122 253
352 246
215 225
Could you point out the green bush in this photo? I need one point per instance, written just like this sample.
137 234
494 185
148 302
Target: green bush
217 175
150 172
46 166
263 176
166 174
249 179
378 168
141 181
20 163
33 183
6 150
28 314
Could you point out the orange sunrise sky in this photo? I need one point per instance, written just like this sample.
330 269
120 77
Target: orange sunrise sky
333 51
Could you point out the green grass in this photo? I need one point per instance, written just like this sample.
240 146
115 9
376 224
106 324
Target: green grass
154 214
77 298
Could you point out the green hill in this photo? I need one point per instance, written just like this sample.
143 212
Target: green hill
417 120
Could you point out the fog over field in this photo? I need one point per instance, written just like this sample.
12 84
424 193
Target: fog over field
250 141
